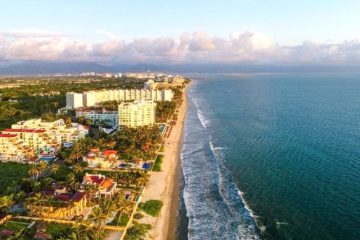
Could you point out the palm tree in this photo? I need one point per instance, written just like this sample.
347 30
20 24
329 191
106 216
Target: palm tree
71 180
123 206
78 169
34 172
37 200
54 168
98 217
6 203
143 179
42 166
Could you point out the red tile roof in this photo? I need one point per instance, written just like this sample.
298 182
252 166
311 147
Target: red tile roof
25 130
109 152
78 196
7 135
95 179
64 197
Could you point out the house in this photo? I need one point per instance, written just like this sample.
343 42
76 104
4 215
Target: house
97 159
106 186
65 205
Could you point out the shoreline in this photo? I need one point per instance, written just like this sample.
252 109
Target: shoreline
165 185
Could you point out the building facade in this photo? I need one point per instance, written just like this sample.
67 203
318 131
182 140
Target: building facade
74 100
136 114
26 140
109 118
94 98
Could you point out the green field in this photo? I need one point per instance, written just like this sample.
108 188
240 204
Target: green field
10 172
151 207
158 162
14 226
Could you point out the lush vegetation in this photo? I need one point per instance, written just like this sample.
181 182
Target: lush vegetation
151 207
35 97
137 232
164 111
10 174
158 162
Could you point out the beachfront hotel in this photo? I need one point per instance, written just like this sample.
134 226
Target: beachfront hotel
94 98
97 116
136 114
25 140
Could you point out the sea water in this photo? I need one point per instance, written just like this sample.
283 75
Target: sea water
271 156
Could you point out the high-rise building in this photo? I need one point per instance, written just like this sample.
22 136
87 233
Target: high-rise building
137 113
74 100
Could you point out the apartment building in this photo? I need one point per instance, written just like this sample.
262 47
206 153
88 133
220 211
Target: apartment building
94 98
137 113
25 140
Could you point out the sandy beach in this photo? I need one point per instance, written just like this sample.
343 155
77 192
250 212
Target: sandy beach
164 185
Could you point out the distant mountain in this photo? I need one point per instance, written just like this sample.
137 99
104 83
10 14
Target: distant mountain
37 68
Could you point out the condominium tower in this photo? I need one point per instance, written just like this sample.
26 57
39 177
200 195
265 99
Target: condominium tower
137 113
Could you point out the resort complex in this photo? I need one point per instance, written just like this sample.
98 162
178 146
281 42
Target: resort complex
65 176
34 138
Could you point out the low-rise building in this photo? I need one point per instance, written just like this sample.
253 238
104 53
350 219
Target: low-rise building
97 159
106 186
102 116
26 139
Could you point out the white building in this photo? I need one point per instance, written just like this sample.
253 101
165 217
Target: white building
137 113
74 100
99 116
27 139
94 98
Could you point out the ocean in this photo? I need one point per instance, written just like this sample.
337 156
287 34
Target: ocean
271 156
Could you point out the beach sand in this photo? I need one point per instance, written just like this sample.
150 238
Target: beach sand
164 185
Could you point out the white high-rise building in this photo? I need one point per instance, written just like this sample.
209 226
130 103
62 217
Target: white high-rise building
137 113
93 98
89 99
74 100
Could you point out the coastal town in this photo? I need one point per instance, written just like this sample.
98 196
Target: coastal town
94 156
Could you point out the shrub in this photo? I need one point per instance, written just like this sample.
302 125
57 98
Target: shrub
151 207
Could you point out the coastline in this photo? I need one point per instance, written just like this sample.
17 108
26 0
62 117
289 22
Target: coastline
165 185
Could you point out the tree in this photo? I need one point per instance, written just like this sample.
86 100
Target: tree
98 217
54 168
42 166
6 203
142 179
34 172
123 206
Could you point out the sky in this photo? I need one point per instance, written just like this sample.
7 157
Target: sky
226 31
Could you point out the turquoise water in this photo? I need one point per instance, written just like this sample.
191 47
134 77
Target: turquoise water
272 156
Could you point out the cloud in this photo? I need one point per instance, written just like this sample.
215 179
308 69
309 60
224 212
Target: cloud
196 47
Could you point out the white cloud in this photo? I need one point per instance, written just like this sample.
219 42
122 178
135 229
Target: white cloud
197 47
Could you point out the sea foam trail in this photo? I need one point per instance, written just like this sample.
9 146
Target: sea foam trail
213 203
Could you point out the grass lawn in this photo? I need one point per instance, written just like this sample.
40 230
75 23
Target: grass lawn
12 172
158 162
123 156
123 221
62 173
14 226
53 228
151 207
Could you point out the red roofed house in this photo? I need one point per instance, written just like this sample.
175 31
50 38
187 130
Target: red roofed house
106 186
97 159
68 205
